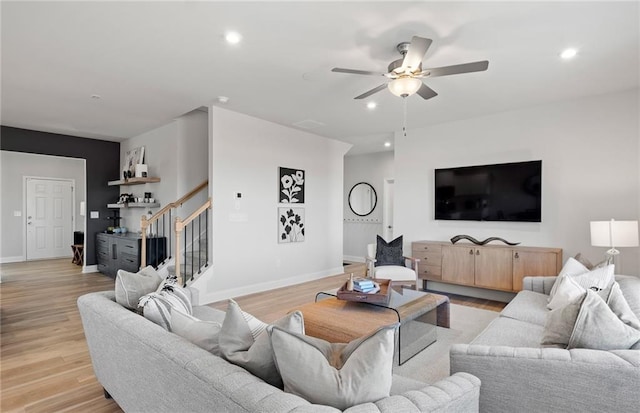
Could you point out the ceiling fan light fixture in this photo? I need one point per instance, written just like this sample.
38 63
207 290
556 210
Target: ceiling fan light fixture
404 86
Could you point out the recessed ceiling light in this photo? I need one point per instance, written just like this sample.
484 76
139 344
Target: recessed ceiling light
233 37
568 53
371 105
387 144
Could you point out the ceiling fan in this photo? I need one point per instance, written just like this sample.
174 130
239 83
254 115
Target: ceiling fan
405 74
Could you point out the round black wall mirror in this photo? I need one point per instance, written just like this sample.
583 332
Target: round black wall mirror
362 199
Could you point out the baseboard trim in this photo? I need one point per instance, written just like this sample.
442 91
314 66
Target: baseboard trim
353 258
89 268
204 299
7 260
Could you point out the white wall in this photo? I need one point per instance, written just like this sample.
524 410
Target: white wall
589 150
246 153
14 166
359 231
177 153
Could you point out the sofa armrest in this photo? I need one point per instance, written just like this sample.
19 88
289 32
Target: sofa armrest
551 379
539 284
457 393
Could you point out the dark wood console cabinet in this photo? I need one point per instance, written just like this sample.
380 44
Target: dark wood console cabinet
122 251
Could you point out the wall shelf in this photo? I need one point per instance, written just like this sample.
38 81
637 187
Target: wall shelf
134 181
135 205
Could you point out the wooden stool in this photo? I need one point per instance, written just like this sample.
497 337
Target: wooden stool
78 256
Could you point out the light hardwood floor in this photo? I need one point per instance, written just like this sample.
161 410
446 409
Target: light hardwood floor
45 364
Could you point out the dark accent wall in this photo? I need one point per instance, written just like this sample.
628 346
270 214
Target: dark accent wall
102 163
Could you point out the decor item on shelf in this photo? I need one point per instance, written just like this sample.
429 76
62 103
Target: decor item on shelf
614 234
291 186
290 225
486 241
141 170
133 157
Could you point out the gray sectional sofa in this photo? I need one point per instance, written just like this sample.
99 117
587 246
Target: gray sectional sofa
148 369
519 375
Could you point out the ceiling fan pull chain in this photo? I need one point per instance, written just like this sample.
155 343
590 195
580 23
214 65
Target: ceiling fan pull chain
404 116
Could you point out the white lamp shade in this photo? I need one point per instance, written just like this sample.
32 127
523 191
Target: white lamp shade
404 86
614 233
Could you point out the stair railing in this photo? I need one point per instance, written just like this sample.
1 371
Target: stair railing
198 215
158 226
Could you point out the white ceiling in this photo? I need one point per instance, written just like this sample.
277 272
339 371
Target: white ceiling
153 61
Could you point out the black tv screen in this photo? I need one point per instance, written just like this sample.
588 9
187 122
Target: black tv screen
500 192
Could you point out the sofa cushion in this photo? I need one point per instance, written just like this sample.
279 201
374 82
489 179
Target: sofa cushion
203 334
239 346
335 374
598 326
527 306
131 286
560 322
389 253
504 331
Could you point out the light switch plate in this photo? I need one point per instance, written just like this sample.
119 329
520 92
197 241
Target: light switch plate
17 213
95 214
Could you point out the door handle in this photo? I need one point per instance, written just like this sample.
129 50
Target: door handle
29 223
477 252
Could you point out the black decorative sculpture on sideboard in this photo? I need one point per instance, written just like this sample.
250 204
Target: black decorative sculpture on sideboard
486 241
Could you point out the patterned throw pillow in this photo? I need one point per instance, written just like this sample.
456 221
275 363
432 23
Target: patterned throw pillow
389 253
157 306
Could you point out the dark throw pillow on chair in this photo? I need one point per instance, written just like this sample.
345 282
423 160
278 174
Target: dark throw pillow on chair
389 253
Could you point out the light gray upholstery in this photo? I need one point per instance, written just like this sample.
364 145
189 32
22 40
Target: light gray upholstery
519 375
148 369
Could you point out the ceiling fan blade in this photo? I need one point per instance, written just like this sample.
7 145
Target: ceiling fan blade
457 69
356 72
426 92
372 91
416 52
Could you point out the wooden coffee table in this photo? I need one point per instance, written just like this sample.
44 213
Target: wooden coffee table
418 313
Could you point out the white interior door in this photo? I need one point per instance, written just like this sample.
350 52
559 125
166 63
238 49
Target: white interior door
387 209
49 218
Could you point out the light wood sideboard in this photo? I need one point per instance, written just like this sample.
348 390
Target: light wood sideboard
495 267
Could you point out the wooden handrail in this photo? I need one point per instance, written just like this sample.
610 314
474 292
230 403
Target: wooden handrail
179 202
146 222
184 222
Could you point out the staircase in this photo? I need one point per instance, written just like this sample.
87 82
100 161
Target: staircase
188 247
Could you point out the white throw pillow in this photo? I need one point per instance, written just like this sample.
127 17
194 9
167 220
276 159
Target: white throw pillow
335 374
570 286
571 267
203 334
568 291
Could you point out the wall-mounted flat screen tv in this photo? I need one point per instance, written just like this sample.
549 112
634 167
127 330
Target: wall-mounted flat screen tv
500 192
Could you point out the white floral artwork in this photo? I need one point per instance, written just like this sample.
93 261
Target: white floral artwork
290 225
291 186
132 158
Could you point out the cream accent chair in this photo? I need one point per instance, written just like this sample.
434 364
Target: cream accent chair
392 272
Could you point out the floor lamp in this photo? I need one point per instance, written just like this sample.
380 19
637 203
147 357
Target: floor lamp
614 234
